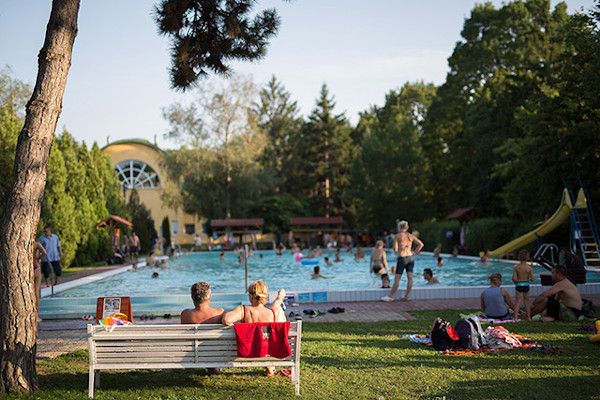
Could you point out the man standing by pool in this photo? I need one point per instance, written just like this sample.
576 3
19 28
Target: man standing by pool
403 246
51 244
134 248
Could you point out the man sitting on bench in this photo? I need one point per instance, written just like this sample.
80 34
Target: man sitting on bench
562 301
202 313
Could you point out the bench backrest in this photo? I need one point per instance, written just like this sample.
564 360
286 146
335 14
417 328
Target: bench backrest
176 346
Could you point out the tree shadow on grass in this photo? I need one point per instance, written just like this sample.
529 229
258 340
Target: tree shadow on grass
543 388
164 383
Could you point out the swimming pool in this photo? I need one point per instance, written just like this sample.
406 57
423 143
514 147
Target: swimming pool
228 275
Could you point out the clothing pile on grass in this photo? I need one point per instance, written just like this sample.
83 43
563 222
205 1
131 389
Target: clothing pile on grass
467 337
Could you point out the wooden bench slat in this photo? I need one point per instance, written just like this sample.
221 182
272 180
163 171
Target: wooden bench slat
187 346
166 343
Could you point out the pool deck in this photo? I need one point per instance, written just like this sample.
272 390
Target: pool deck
62 336
57 337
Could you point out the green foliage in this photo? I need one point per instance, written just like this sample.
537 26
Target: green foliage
166 230
78 185
206 34
505 57
489 233
390 173
276 211
10 126
276 117
560 122
220 170
143 224
13 94
318 167
433 233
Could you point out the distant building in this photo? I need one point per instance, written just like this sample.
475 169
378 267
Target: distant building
138 164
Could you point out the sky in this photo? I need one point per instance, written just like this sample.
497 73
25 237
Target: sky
118 83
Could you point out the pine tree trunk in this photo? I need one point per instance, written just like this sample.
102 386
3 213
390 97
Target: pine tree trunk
18 323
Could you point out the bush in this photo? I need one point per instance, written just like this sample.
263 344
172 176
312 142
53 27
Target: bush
489 233
433 233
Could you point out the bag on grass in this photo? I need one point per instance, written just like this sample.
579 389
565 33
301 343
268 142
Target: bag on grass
587 308
443 336
470 334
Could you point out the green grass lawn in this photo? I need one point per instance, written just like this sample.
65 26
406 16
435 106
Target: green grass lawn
363 361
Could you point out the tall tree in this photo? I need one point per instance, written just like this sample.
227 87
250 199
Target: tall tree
220 169
501 61
13 94
143 224
206 34
225 33
561 125
276 114
390 172
319 166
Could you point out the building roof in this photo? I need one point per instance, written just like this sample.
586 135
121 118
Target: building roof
465 214
248 222
134 141
113 220
316 220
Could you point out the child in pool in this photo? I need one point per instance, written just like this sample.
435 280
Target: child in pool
317 274
522 275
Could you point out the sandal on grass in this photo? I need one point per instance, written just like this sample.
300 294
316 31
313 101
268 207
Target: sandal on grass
271 372
286 372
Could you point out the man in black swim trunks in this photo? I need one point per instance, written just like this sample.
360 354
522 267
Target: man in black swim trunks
403 245
562 301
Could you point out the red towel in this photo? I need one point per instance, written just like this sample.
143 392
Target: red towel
263 339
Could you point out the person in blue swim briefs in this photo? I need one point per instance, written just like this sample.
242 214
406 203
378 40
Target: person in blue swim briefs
522 275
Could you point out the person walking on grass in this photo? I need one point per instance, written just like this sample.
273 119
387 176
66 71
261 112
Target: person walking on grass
51 244
403 246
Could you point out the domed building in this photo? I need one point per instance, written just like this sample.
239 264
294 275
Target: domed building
139 166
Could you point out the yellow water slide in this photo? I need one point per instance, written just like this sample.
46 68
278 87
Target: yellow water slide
562 213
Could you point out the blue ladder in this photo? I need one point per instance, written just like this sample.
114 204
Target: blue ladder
584 232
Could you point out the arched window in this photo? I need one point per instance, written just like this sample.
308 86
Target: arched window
135 174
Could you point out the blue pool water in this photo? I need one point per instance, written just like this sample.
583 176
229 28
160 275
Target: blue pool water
228 276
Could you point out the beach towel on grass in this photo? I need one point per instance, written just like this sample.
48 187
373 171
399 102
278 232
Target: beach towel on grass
263 339
497 333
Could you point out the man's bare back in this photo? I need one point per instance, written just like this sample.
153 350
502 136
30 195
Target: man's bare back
567 293
203 315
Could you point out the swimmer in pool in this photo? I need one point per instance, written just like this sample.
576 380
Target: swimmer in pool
428 275
377 262
317 274
327 262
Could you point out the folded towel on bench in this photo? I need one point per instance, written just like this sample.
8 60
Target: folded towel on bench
263 339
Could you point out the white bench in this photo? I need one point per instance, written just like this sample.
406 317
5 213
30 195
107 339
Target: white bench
177 346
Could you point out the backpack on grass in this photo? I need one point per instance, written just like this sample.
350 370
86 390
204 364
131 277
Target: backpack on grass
470 334
587 308
443 336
